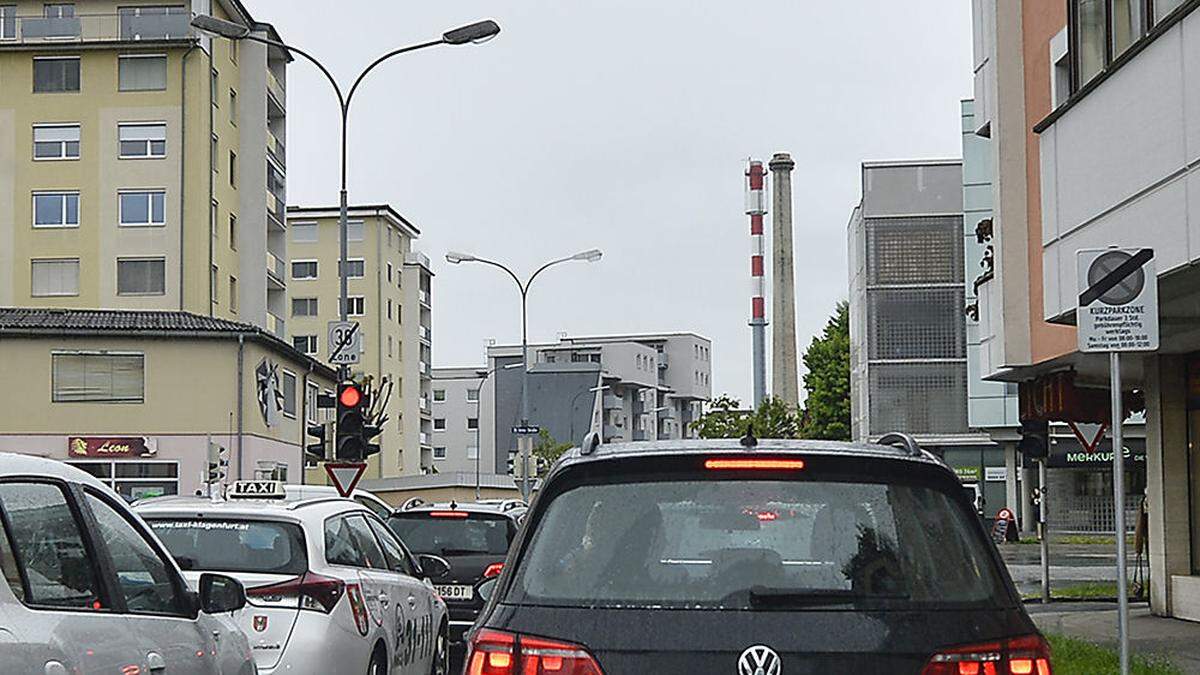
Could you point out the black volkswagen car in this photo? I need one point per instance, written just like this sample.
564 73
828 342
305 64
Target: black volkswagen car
753 558
473 537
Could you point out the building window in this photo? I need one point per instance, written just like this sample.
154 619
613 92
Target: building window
55 74
472 423
136 480
439 395
312 414
142 72
305 343
439 424
355 268
303 233
289 393
356 305
233 229
58 141
97 377
389 309
354 230
304 306
213 285
214 154
143 208
8 22
233 109
439 452
304 269
54 277
1100 31
389 346
233 50
472 395
56 209
233 168
143 141
233 294
389 242
141 276
472 452
1162 8
212 225
213 90
389 265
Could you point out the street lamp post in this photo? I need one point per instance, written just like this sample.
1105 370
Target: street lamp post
591 255
478 32
575 401
479 419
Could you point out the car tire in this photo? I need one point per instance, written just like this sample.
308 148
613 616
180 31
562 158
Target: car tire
441 653
378 664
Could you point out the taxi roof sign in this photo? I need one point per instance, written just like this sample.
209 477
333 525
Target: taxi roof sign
257 489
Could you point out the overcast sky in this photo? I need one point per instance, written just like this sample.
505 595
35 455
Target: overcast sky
623 125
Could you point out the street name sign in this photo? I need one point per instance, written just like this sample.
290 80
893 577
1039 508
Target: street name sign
345 475
345 343
527 431
1118 300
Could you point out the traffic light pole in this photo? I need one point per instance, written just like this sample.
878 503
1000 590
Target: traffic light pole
1043 530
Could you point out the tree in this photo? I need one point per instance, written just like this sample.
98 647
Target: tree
549 449
727 419
827 407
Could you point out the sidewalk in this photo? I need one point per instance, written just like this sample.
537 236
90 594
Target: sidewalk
1096 622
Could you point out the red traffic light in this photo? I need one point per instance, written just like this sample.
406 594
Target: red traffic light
350 397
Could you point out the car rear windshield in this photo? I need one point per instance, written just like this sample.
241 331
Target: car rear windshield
460 535
233 545
748 544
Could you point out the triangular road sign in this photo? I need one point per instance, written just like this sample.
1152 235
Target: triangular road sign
1082 431
345 475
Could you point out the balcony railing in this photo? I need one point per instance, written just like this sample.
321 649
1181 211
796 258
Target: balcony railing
423 296
277 149
275 87
276 268
425 333
41 30
276 208
277 325
424 438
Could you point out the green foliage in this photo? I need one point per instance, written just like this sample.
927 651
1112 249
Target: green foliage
547 448
1070 656
827 406
727 419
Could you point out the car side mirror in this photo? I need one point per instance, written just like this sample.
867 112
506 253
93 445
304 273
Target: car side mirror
486 588
220 593
432 566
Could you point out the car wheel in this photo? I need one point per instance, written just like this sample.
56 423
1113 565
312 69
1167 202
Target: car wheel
441 654
378 665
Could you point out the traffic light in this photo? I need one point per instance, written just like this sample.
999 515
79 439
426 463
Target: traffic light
370 431
218 463
319 451
512 462
351 413
1035 439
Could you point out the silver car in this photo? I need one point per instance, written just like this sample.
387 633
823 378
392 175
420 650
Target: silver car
330 588
88 588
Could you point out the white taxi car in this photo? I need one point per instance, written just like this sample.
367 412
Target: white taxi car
330 589
87 589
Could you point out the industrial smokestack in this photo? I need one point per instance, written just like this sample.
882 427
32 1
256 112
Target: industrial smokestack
756 206
784 364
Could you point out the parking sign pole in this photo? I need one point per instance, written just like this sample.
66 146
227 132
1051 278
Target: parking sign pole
1118 450
1043 530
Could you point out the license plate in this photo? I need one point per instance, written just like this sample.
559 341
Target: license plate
455 592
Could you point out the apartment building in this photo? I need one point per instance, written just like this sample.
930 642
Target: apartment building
1093 116
389 295
142 165
461 398
135 397
626 387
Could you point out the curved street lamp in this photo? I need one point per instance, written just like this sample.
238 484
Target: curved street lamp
475 33
455 258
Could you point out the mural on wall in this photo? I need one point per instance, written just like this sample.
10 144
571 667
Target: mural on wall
270 394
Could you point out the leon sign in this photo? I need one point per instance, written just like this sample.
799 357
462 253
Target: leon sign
91 446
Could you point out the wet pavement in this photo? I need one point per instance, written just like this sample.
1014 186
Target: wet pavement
1069 564
1174 639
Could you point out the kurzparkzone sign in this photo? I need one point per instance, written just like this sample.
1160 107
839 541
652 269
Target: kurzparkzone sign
1118 300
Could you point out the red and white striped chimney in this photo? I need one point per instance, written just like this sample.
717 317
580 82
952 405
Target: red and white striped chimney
756 208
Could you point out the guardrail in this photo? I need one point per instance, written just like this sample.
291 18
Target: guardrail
127 27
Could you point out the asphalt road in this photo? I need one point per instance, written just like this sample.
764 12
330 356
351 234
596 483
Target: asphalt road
1069 563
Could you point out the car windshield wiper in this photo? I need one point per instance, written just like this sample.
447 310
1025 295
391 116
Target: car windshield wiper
775 598
463 551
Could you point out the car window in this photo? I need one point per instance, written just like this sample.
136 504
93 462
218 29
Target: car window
448 533
397 560
340 545
146 582
372 555
212 545
8 564
376 508
698 542
46 538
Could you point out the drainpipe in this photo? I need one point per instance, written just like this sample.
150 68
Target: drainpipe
183 168
241 364
211 187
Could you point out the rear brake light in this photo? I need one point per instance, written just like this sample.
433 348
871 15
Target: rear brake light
448 514
754 464
1028 655
493 652
314 591
493 570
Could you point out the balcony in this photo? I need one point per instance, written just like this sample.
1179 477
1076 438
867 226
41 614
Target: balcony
88 28
612 402
662 360
425 439
277 326
276 272
423 296
275 88
425 334
276 149
424 369
276 209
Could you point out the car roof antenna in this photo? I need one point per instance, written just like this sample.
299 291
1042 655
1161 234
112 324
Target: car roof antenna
749 441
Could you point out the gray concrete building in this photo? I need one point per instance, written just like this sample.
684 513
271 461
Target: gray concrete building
459 404
627 387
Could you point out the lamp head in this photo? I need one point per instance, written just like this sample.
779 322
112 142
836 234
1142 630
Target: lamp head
478 32
591 255
219 27
454 258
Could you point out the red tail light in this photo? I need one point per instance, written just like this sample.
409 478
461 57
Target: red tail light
1028 655
448 514
495 652
315 591
493 570
733 464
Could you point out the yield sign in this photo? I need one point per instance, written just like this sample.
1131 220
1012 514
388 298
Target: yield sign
345 475
1082 431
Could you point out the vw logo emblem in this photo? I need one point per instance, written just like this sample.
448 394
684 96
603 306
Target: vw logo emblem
759 660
